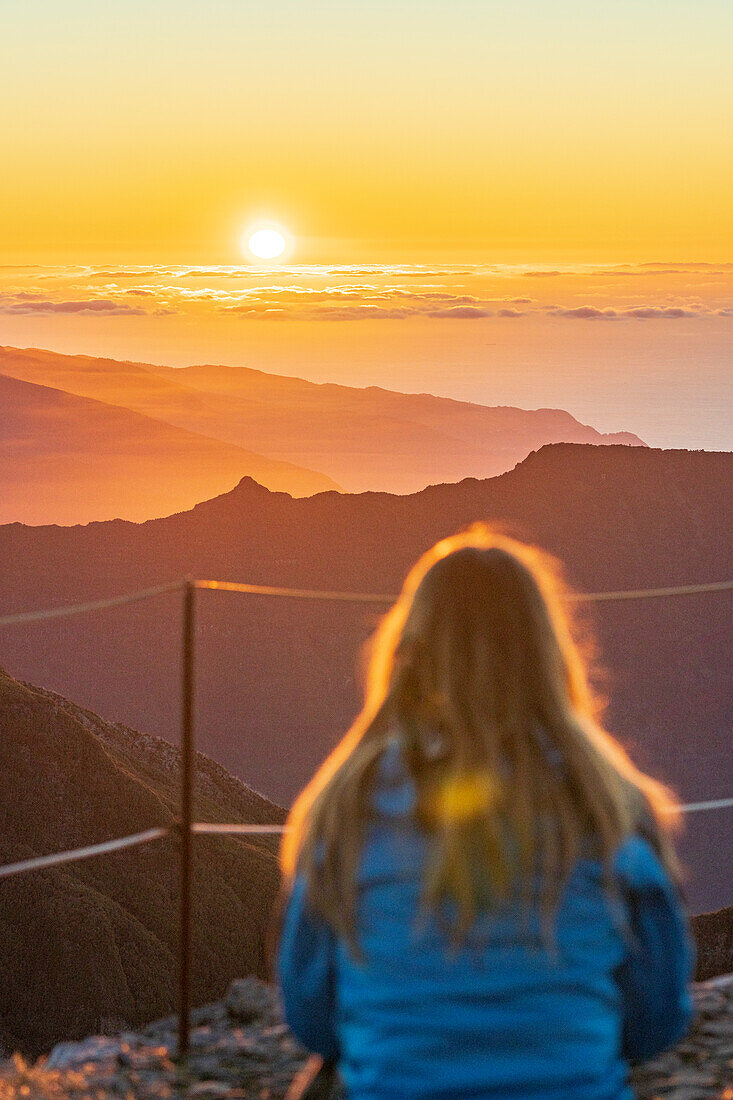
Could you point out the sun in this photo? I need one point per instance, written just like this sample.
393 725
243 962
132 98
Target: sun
266 242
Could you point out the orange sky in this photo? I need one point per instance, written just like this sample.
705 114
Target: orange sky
417 151
376 130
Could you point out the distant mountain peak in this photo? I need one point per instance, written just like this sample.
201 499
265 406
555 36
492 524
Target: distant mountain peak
248 484
245 489
551 453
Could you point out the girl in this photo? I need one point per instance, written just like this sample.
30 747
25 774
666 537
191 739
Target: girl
482 897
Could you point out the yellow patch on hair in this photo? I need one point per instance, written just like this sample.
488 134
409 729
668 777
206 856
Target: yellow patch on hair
461 798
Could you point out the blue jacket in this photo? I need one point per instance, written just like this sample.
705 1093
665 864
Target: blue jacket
501 1016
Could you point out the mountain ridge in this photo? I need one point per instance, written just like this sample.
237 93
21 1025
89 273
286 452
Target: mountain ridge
369 438
67 459
277 681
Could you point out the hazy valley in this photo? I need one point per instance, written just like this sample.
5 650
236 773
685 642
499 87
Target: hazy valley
89 439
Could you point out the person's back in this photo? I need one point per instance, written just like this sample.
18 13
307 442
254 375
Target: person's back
439 983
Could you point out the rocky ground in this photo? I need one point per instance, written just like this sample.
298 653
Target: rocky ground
241 1048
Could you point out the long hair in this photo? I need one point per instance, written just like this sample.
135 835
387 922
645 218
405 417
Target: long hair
477 668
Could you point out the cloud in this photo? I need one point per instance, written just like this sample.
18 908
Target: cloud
414 271
409 273
653 269
319 313
650 312
204 295
209 272
461 313
92 305
623 270
240 271
643 313
433 296
686 266
311 294
137 274
365 292
585 313
360 313
364 301
509 301
251 314
301 295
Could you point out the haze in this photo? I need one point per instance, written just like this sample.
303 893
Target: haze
640 347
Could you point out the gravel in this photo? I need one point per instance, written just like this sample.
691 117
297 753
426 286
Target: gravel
241 1048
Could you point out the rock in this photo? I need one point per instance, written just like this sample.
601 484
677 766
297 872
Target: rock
250 1000
74 1055
700 1066
713 934
688 1092
241 1048
209 1088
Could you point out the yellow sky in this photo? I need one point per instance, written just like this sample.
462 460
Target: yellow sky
380 130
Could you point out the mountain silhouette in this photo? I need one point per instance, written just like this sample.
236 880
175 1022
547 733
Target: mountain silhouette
92 945
277 679
363 439
68 459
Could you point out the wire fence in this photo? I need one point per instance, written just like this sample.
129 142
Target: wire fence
315 594
186 828
215 828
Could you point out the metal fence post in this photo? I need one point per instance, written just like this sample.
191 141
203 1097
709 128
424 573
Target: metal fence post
186 818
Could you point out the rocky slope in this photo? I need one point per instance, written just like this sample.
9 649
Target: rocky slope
93 944
241 1048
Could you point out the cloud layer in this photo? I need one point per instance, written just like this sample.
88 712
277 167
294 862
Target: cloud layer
483 293
25 303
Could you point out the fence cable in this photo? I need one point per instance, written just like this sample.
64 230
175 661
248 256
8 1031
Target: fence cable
371 597
295 593
239 829
216 828
211 828
651 593
317 594
92 605
74 854
714 804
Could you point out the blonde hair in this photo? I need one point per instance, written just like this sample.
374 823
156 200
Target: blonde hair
478 667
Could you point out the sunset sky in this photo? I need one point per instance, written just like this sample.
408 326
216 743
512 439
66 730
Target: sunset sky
376 130
520 203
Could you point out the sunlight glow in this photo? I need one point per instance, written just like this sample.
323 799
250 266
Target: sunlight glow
266 244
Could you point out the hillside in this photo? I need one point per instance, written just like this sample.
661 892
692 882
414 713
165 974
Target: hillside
92 944
364 439
374 438
67 459
276 678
